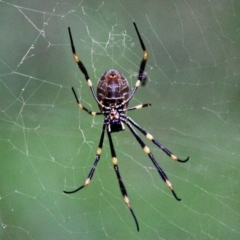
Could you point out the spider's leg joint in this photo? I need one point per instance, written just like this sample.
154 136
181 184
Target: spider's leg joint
114 161
143 105
146 150
76 58
173 157
80 105
139 106
87 182
99 151
126 200
145 55
138 83
89 82
169 184
149 136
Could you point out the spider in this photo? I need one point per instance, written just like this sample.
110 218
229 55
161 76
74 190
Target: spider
113 95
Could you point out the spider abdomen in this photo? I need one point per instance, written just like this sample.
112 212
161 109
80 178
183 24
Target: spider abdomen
112 88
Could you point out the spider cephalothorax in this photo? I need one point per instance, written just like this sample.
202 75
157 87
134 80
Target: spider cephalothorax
113 95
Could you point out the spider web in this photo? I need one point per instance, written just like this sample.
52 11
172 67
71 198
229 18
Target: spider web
48 145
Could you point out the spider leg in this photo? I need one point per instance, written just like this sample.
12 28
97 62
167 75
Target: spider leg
97 158
82 68
121 184
137 107
83 108
151 138
155 163
141 74
145 55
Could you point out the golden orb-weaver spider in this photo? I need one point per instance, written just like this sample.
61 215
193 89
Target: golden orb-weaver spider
113 96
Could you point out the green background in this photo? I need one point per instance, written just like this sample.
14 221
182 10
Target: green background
48 145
